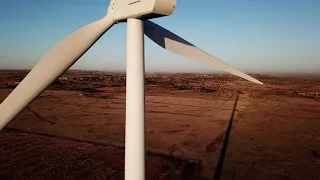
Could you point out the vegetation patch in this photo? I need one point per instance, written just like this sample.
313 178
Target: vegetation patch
207 90
183 87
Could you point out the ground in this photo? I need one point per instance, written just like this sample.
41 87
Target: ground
201 126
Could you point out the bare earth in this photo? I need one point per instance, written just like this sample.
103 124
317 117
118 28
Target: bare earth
208 126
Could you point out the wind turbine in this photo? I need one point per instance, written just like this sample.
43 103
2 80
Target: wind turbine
136 13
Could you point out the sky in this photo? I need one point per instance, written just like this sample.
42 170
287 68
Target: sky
255 36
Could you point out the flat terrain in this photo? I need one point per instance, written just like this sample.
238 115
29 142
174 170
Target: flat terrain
31 156
215 126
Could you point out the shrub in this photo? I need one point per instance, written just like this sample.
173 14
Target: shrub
207 90
183 87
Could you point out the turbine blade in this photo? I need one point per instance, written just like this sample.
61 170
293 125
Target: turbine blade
50 67
178 45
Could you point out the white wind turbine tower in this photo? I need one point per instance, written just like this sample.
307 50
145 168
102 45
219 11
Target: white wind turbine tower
136 13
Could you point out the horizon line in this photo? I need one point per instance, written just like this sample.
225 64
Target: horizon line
172 72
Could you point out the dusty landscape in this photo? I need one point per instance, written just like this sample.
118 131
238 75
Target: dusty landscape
198 126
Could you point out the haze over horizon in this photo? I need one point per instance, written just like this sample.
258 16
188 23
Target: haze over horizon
252 36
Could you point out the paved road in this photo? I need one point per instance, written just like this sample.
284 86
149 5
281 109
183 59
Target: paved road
33 156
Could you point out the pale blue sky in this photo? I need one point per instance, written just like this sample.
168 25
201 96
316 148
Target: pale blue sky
252 35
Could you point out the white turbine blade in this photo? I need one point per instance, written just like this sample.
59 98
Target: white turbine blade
53 64
178 45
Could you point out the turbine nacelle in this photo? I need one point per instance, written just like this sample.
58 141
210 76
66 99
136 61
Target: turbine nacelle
121 10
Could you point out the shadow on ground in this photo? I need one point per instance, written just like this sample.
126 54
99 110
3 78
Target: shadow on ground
218 170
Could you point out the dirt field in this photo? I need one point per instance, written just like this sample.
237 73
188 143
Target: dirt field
34 156
227 127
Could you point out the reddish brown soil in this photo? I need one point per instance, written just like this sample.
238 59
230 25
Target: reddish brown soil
34 156
265 132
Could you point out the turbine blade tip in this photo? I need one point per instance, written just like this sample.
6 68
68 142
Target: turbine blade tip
258 82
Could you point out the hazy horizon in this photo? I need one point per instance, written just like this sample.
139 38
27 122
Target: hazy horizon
252 36
181 72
